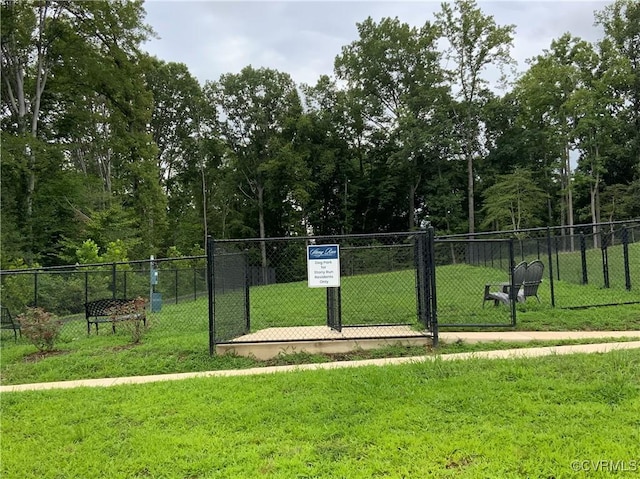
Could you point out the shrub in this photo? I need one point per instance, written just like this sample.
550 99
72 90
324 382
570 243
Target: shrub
40 327
132 312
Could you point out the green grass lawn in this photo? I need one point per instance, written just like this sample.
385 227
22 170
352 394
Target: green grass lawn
569 266
533 418
390 298
178 337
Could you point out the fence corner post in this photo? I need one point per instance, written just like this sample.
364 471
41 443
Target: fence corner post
625 252
550 256
583 256
513 294
431 238
211 292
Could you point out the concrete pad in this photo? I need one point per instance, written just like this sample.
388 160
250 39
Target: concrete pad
316 333
272 342
269 350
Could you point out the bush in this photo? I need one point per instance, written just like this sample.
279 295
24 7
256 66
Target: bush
133 311
40 327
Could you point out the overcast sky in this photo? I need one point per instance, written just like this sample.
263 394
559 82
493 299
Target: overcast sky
302 38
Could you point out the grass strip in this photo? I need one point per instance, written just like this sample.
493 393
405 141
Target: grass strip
543 417
108 361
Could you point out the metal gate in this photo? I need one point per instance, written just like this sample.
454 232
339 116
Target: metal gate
466 270
259 288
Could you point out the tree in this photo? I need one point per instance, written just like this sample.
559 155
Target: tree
260 109
620 54
545 92
71 83
514 200
594 127
181 126
177 100
323 136
475 42
28 34
394 69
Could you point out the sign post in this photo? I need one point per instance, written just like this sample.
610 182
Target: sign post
323 271
154 298
323 266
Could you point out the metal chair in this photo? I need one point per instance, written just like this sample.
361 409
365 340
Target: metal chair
503 296
532 279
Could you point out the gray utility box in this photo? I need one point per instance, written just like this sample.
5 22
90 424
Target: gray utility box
156 302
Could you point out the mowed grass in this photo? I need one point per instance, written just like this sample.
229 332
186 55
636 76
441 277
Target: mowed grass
534 418
390 298
569 265
178 338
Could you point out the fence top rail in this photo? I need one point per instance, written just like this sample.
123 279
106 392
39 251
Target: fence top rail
448 239
406 234
632 222
74 268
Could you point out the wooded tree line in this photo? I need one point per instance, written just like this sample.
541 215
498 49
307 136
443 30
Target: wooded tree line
107 151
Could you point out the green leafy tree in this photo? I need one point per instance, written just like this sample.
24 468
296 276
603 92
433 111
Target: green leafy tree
324 138
74 103
395 70
259 109
545 92
475 42
620 64
514 201
88 253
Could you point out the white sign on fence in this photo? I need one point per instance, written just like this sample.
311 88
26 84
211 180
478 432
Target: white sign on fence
323 266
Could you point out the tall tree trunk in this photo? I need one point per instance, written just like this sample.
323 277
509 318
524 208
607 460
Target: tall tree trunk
593 193
470 202
263 246
411 205
569 197
27 110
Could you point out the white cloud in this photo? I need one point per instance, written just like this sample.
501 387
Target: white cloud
302 38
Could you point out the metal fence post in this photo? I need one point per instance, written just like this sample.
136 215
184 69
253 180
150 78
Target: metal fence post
513 294
605 260
583 255
420 259
550 256
211 293
247 294
432 285
334 320
625 252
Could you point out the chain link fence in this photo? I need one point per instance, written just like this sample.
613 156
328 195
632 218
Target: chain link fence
262 284
465 269
376 297
177 301
603 259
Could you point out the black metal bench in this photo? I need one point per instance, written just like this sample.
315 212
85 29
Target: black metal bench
106 311
7 322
